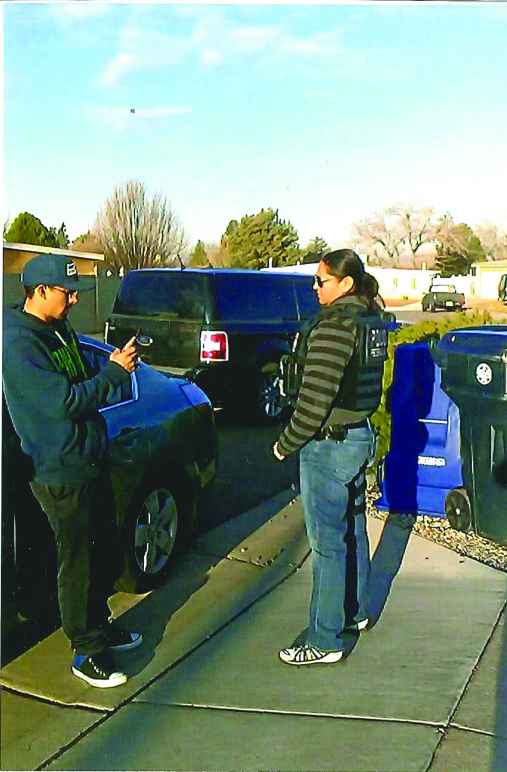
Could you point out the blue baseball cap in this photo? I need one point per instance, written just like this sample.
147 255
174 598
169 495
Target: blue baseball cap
53 270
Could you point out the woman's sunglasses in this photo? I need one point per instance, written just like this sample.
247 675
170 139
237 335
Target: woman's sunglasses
318 281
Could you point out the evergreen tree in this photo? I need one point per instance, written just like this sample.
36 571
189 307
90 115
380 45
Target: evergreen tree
314 250
28 229
62 237
199 256
260 240
457 248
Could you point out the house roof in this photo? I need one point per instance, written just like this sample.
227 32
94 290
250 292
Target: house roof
97 256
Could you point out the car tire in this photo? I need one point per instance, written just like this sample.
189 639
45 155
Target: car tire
269 405
160 522
431 307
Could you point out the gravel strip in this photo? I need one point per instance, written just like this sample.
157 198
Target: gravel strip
438 530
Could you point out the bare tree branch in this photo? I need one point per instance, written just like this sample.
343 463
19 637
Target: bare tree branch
136 231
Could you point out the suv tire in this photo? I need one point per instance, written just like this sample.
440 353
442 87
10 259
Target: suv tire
269 405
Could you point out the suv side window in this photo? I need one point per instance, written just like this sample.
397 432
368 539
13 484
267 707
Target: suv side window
156 293
307 299
254 298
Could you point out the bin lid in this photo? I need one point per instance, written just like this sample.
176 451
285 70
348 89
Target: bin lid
487 340
474 363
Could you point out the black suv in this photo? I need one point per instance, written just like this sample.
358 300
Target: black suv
225 329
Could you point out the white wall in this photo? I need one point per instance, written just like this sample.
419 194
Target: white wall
412 283
394 282
487 276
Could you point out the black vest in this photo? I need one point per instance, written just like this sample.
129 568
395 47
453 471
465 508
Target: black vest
361 386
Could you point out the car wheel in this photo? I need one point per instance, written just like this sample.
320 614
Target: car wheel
158 525
431 307
269 405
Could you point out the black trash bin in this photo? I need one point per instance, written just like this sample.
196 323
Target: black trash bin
474 375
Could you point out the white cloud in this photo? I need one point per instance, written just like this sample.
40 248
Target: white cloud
143 49
327 44
122 118
210 57
160 112
117 67
212 38
253 39
77 11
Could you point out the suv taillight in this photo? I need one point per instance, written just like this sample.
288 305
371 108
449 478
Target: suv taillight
214 346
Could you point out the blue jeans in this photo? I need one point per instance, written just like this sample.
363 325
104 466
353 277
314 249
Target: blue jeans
333 487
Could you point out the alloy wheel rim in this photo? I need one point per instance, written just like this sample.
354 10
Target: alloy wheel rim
270 396
156 531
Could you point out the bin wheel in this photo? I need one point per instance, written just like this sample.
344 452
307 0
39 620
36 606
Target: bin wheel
458 509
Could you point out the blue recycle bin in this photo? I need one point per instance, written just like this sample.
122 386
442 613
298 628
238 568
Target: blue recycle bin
423 463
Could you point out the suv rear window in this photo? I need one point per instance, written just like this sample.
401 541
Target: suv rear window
153 293
254 298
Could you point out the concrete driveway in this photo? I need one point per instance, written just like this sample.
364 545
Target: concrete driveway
425 688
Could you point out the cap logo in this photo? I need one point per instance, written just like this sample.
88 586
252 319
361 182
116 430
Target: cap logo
71 269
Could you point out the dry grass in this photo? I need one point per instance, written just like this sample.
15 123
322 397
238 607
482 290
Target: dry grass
486 305
399 301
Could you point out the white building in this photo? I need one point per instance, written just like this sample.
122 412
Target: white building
486 277
412 283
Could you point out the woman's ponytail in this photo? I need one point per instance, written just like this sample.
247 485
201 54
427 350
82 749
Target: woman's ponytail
346 262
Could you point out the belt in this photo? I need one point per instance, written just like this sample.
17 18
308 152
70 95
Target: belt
339 431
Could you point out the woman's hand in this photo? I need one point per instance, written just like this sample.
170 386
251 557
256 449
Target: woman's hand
277 453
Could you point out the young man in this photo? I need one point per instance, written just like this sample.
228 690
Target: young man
54 406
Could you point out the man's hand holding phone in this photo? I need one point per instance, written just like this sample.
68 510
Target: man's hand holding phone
127 357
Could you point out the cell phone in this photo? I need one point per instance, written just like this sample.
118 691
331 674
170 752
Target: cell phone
142 340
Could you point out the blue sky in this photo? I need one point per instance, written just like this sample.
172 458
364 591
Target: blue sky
328 113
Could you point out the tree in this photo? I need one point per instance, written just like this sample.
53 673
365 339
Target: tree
493 240
86 242
260 240
380 237
136 231
417 226
457 248
199 257
314 250
385 237
28 229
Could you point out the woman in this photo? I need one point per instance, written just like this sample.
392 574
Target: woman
330 425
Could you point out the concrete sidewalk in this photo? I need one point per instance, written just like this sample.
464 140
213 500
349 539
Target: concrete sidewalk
425 688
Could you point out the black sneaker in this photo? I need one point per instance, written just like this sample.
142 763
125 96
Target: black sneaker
121 640
97 670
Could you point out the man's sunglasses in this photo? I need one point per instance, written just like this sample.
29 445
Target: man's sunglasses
319 281
69 293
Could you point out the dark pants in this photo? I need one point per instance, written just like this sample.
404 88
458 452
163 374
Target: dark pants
82 516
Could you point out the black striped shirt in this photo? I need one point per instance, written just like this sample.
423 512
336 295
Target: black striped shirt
330 348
